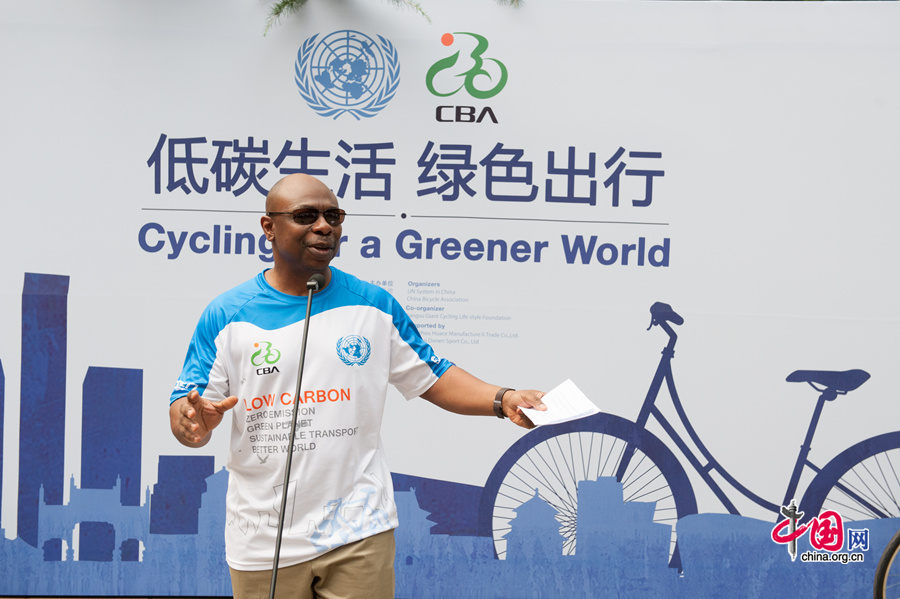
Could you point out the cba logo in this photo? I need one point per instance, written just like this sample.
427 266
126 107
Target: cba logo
347 72
354 349
266 354
476 69
479 82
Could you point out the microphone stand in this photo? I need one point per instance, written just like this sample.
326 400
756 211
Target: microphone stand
312 285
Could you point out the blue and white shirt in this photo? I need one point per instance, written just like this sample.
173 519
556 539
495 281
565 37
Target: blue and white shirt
247 344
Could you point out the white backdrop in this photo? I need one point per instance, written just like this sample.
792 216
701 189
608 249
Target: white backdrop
777 125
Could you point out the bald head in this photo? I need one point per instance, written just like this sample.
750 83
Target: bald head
296 189
301 246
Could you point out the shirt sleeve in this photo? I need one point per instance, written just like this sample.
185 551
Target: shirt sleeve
414 365
204 365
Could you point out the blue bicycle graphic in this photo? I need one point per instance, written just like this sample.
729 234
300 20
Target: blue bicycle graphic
860 483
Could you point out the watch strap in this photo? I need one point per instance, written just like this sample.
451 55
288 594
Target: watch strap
498 401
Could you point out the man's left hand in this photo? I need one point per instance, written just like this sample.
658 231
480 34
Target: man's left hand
527 398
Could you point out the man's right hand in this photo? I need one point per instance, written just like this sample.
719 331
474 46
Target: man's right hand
193 418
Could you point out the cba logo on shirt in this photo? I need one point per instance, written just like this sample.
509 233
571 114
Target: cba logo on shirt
266 354
354 349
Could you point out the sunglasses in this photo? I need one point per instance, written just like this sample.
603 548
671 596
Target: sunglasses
307 216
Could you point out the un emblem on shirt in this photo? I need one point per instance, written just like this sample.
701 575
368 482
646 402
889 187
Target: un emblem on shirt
354 349
347 72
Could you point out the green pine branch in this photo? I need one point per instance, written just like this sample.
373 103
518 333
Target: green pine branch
282 8
279 9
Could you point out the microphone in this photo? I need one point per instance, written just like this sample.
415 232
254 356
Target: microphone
313 284
316 282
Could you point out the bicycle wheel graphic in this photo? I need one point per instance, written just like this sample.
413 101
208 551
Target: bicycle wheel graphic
553 459
887 573
860 483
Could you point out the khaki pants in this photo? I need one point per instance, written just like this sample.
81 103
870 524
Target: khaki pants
364 570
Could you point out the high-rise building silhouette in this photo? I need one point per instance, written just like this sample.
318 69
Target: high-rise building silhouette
113 451
110 455
42 404
178 493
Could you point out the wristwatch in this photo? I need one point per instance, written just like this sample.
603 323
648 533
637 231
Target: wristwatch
498 402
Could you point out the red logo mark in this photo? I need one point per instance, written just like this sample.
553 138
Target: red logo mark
825 532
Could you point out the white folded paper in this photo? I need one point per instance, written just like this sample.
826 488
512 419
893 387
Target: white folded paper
565 402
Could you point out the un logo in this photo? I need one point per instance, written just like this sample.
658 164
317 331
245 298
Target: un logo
347 72
354 349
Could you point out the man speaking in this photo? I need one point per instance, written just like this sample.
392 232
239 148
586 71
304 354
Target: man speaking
338 534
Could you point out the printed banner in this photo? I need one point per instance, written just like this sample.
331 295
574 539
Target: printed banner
683 207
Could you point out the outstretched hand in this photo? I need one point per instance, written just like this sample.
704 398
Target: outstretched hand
527 398
193 418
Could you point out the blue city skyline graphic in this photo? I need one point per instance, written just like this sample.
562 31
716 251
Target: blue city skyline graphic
115 536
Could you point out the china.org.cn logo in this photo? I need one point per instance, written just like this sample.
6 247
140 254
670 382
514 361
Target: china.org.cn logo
347 72
482 77
265 357
826 535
